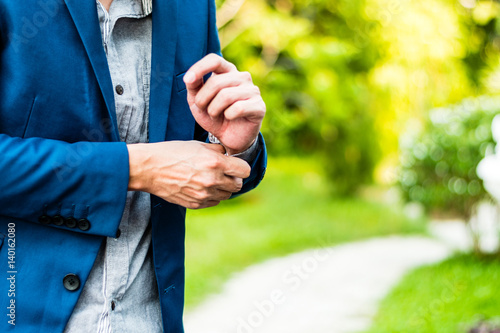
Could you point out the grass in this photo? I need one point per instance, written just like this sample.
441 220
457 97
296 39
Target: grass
289 212
445 298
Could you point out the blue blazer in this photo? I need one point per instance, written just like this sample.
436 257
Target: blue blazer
63 170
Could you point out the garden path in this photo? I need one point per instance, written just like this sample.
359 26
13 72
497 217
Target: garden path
325 290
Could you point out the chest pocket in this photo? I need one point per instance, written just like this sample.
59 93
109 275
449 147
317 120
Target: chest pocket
179 80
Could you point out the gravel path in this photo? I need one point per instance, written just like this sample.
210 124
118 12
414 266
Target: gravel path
326 290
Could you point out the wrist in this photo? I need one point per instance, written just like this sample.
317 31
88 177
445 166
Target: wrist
137 157
232 152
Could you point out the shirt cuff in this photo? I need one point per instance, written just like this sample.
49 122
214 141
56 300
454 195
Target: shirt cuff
247 155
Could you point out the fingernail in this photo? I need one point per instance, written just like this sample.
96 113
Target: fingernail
239 182
189 77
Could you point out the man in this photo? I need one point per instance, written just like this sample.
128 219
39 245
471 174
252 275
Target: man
105 108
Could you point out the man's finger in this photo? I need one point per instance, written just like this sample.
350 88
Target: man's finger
222 195
215 84
232 166
211 63
226 97
253 108
218 193
236 167
209 204
197 205
230 184
216 147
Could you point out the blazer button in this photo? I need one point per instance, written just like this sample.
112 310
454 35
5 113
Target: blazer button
71 282
44 219
58 220
70 222
83 224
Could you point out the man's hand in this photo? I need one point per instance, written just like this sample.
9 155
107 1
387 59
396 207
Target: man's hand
191 174
228 105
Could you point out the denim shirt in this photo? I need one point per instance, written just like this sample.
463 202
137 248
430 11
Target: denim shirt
121 293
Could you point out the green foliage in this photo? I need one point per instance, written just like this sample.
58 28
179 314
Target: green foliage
311 60
439 160
341 77
481 22
449 297
289 212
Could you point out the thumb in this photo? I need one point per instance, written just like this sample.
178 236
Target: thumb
193 82
216 147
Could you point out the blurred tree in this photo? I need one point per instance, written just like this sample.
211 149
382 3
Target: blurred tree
341 78
439 157
311 60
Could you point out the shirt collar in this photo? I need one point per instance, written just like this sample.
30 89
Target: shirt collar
147 6
138 8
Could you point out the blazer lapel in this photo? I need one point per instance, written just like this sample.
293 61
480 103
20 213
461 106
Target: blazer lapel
84 14
162 66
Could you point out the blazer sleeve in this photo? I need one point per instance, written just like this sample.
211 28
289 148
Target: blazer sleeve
259 164
43 179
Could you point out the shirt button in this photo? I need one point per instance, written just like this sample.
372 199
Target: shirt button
71 282
119 89
113 305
